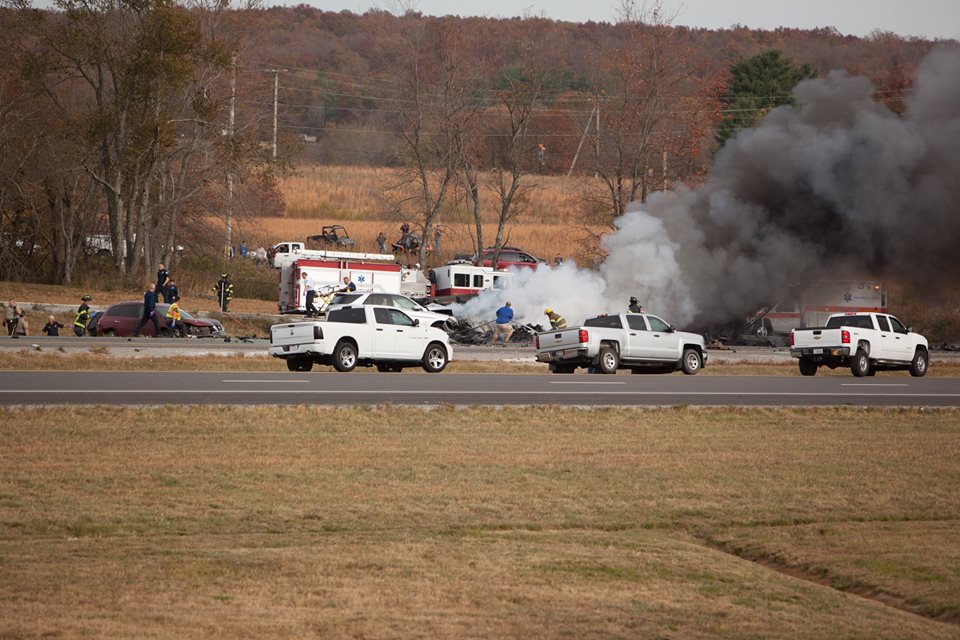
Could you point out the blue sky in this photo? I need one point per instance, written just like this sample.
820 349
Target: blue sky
927 18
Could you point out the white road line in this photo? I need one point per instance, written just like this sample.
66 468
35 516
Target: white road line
149 392
272 381
586 382
872 384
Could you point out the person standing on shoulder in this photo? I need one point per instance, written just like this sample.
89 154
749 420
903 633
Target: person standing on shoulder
173 316
437 237
503 325
149 312
224 290
12 316
163 277
82 318
556 320
382 242
52 328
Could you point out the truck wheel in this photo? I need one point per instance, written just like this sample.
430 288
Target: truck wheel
609 360
808 367
860 364
692 362
300 364
344 357
435 358
918 367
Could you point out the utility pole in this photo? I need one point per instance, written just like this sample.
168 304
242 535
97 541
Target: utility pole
276 90
233 103
580 144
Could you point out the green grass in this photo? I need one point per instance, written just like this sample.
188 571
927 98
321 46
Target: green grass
297 521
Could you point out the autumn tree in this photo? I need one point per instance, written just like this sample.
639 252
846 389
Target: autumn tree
757 85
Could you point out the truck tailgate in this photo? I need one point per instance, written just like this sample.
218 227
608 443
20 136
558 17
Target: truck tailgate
290 334
552 341
803 338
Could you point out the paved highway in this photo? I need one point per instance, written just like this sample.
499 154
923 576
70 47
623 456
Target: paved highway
161 388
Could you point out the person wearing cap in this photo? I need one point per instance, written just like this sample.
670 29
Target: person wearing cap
635 306
503 325
556 320
163 277
13 318
82 317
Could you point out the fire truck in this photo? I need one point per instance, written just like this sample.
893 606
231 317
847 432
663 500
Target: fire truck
810 306
327 269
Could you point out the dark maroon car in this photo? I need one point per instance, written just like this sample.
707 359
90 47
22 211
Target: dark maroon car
122 318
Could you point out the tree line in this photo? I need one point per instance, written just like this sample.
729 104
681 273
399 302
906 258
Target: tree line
139 121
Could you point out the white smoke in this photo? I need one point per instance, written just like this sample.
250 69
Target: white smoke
837 186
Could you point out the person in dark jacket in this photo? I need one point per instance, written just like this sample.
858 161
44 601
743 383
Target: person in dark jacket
163 277
149 311
82 318
52 328
224 290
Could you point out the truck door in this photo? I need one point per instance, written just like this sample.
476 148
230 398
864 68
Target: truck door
384 334
665 343
903 346
639 338
411 340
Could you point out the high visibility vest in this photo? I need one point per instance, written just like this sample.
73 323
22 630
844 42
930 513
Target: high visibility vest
174 312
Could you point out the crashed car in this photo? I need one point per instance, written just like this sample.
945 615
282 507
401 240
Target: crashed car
121 319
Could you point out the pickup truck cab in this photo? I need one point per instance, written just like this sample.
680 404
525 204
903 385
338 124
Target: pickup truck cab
364 335
866 342
640 342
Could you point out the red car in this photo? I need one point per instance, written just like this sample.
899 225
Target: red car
122 319
512 257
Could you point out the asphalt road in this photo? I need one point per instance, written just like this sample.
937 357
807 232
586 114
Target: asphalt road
163 388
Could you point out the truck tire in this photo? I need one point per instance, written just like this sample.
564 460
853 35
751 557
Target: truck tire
344 356
435 358
609 361
300 364
692 362
919 364
808 367
860 364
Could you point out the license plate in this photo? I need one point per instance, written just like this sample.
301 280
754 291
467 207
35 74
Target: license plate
818 350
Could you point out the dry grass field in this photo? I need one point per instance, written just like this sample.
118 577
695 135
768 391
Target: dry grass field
398 522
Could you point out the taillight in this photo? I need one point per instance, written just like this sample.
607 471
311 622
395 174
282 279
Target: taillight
791 338
536 341
844 336
317 332
584 336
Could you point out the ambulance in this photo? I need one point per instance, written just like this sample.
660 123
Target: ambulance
812 305
326 270
458 280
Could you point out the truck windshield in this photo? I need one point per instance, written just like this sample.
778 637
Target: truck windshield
860 322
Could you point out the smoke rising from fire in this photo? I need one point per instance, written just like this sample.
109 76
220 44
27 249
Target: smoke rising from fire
837 186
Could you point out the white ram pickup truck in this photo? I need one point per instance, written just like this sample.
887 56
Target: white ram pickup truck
363 335
640 342
866 342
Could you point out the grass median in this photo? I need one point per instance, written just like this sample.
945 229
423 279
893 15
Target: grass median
278 522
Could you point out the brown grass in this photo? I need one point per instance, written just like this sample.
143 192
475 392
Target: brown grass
307 521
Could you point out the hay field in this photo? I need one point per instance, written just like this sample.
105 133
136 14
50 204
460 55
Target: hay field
399 522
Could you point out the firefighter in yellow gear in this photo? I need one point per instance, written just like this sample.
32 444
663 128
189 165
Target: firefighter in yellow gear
556 320
82 317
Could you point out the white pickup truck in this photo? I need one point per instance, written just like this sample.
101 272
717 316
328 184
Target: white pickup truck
866 342
640 342
361 335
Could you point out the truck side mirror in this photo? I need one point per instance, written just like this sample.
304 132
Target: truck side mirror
671 329
416 322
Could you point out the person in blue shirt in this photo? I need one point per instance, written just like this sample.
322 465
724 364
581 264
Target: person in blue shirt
504 324
149 312
348 286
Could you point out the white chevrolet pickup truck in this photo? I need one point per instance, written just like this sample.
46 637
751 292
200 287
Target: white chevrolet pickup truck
364 335
866 342
640 342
